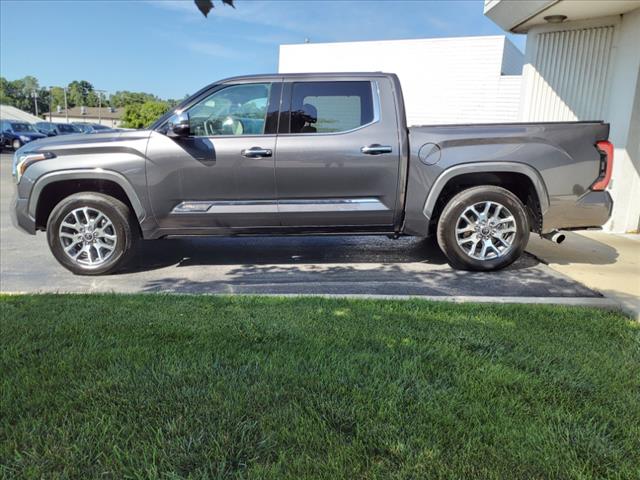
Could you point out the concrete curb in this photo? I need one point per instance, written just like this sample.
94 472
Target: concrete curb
595 302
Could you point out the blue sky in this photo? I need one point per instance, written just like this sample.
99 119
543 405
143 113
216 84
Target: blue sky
168 48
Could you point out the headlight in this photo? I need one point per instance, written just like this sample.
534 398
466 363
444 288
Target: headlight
25 139
21 161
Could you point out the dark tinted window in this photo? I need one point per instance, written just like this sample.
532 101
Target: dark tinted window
22 127
63 127
326 107
100 127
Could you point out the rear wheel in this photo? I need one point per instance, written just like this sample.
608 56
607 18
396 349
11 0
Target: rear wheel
91 233
483 228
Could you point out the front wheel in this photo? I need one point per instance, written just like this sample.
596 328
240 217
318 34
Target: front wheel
91 233
483 228
16 144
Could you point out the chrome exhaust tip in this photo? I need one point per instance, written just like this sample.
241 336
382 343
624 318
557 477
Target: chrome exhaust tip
555 237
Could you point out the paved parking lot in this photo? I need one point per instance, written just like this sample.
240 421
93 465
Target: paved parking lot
280 265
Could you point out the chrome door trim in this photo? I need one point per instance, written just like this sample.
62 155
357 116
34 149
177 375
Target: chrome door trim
331 205
232 206
282 206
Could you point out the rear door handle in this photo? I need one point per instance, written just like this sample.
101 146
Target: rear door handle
376 149
256 152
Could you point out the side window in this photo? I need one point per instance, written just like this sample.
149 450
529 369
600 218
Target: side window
329 107
234 110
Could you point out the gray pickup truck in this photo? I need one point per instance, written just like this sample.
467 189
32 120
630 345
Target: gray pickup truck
312 154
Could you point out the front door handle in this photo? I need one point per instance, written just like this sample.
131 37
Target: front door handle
376 149
256 152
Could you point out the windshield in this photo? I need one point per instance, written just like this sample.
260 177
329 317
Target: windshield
22 127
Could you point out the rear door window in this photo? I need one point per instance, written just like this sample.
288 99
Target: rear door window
330 107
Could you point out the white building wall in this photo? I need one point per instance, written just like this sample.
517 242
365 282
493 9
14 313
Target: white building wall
444 80
512 59
589 70
567 77
107 122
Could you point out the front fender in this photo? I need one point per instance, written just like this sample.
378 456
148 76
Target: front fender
86 174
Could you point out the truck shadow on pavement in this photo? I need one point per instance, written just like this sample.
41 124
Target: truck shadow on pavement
338 265
189 252
186 252
385 279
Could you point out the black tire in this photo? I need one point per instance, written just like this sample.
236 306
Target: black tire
447 224
123 226
16 144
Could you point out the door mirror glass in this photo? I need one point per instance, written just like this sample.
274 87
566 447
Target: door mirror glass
178 125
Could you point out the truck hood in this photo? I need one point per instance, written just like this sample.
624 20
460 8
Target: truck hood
82 141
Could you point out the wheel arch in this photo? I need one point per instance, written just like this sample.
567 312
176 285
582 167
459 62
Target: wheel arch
50 188
490 173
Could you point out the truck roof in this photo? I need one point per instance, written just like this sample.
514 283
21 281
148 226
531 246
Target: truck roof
272 76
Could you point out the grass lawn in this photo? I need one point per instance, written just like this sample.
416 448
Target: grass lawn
150 386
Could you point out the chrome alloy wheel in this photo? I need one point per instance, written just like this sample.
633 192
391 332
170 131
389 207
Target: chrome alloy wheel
88 237
486 230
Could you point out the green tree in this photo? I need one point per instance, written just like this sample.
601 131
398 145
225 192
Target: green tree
57 97
6 97
124 97
19 93
80 93
141 115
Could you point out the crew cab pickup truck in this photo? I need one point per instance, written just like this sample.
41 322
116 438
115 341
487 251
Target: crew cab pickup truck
312 154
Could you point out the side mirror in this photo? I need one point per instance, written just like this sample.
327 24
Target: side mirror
178 125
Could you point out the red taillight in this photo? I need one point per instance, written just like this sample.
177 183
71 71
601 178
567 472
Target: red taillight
606 165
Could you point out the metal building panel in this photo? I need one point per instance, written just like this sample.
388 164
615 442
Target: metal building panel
569 75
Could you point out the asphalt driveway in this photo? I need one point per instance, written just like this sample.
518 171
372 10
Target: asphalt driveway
278 265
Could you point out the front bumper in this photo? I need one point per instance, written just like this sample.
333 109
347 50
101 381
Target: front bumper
20 217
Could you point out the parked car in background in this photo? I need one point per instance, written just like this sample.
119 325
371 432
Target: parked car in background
86 127
313 154
52 129
14 134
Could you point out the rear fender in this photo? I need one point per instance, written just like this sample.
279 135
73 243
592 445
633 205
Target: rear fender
486 167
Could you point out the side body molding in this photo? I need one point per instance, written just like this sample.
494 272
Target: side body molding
84 174
486 167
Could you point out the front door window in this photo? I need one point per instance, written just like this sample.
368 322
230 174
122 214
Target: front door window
233 110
